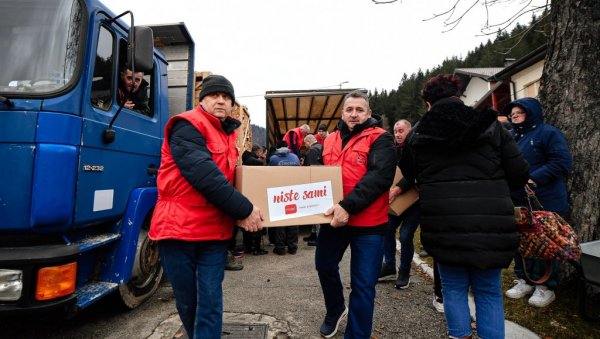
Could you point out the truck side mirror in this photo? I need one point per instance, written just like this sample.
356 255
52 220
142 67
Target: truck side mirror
144 43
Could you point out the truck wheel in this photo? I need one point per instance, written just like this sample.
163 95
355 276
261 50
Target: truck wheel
146 275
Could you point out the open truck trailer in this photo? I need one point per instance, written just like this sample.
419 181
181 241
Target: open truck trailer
290 109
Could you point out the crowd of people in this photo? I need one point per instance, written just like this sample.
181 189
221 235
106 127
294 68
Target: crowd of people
469 169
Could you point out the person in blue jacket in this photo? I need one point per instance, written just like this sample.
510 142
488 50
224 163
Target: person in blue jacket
546 150
285 236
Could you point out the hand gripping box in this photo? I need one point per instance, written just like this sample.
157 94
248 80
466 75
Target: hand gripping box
291 195
404 200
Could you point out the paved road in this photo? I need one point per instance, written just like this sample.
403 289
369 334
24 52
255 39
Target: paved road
285 292
282 291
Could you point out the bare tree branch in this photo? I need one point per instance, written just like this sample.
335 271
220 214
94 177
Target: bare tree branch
453 17
521 35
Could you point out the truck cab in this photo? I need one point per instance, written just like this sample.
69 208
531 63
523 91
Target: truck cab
75 206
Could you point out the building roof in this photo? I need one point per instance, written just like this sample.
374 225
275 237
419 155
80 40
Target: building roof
522 63
480 72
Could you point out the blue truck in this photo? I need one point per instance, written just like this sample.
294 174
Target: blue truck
77 169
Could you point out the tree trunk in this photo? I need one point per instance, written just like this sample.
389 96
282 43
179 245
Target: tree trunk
571 97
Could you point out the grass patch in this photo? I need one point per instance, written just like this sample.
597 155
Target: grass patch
560 319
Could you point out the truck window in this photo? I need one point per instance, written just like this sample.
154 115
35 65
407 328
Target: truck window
40 46
140 99
103 70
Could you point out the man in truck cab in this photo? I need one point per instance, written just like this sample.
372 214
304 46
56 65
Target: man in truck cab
198 206
137 100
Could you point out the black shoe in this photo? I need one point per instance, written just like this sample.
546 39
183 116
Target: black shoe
330 325
312 243
292 250
312 236
259 252
403 280
279 251
386 271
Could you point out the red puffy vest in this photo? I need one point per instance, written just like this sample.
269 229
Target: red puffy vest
181 212
298 138
353 159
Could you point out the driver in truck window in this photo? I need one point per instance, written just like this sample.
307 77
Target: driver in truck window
138 99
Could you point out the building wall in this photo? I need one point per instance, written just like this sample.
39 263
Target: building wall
527 81
475 90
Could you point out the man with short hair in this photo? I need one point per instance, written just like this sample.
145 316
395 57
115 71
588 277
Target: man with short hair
314 151
321 133
137 100
365 152
295 138
409 220
198 206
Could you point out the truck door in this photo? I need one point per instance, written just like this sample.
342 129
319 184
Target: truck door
109 171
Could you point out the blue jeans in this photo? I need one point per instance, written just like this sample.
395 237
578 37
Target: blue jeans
196 271
365 263
486 288
410 221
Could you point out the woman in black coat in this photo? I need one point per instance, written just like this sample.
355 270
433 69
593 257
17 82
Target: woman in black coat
465 165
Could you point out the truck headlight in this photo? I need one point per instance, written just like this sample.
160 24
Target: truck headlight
11 284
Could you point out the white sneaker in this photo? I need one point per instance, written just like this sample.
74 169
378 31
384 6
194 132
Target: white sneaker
438 304
542 296
520 290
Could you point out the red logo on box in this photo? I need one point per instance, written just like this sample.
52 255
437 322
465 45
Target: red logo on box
291 209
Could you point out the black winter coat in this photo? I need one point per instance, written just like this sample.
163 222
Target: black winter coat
465 164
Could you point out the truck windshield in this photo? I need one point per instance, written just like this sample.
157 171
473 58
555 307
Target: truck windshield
40 42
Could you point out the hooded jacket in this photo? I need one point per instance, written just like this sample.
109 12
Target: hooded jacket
465 164
284 157
547 152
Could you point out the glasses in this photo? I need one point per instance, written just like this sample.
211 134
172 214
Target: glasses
512 114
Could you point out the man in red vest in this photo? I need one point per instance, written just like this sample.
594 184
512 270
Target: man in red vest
367 156
321 134
295 138
198 206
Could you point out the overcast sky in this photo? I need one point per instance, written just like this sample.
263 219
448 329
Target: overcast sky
267 45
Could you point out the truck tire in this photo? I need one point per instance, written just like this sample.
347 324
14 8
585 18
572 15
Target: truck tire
146 275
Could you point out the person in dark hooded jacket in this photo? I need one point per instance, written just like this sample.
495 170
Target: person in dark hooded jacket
547 152
465 164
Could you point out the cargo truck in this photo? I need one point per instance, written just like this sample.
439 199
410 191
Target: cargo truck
77 169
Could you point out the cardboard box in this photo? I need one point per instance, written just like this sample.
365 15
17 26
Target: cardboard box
404 200
291 195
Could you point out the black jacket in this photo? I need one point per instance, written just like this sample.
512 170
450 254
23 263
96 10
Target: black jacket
314 155
465 164
250 159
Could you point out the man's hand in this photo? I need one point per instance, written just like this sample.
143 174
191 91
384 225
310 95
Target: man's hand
129 104
253 222
340 216
394 192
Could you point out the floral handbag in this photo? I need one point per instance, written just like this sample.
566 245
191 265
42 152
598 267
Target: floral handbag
544 235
